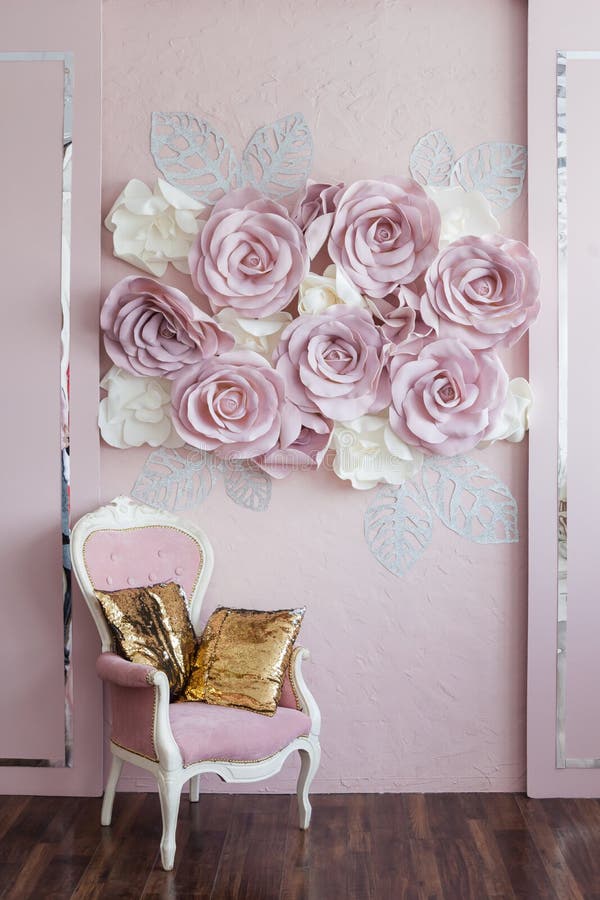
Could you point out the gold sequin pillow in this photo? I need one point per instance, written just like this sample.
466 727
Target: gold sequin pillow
151 625
242 658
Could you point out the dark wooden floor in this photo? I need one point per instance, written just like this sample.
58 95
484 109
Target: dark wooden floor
359 846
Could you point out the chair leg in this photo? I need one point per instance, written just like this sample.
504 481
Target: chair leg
109 790
309 763
194 789
169 792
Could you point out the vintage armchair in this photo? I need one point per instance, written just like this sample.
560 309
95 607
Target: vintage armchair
124 545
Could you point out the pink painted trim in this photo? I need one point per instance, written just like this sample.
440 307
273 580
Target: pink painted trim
550 30
63 25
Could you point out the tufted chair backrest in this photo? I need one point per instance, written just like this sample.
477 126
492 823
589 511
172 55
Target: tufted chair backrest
125 545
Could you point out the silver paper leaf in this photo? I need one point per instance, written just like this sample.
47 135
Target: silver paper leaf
431 159
175 479
246 484
471 500
398 526
193 156
278 157
496 169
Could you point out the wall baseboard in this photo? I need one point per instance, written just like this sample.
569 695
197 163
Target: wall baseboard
391 785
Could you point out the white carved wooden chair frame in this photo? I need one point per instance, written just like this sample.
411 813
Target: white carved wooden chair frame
170 773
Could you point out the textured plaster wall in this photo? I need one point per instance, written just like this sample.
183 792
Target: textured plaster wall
421 681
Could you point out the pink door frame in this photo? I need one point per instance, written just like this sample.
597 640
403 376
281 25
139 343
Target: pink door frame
60 27
550 31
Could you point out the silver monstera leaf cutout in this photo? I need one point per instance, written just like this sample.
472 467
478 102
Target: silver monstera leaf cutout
175 480
195 157
278 158
246 484
495 169
182 479
471 500
432 159
466 496
398 526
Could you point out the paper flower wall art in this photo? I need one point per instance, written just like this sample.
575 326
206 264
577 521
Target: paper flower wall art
152 228
462 212
360 323
136 411
260 335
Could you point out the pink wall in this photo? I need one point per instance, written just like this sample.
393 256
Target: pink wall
421 681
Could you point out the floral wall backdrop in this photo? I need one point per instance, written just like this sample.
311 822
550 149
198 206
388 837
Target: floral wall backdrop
420 678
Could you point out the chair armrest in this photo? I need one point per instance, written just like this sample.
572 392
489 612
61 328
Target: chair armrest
117 670
140 719
305 699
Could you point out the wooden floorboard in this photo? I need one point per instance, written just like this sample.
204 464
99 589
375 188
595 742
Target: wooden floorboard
249 847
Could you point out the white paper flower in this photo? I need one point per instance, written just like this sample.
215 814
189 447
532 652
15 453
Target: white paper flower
260 335
514 421
154 228
136 411
367 452
462 212
318 292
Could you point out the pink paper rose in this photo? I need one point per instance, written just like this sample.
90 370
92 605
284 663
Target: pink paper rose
334 363
230 404
319 200
302 444
446 399
483 291
249 255
152 329
384 234
402 322
315 215
405 328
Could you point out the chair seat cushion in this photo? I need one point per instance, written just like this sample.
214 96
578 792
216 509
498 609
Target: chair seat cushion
205 732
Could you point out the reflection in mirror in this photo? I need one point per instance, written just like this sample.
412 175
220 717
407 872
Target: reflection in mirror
562 761
65 436
561 184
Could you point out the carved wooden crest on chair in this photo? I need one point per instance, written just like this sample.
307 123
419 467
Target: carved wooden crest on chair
124 545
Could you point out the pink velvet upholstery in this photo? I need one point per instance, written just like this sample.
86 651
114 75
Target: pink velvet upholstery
111 667
132 703
133 719
201 731
287 698
136 557
223 733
